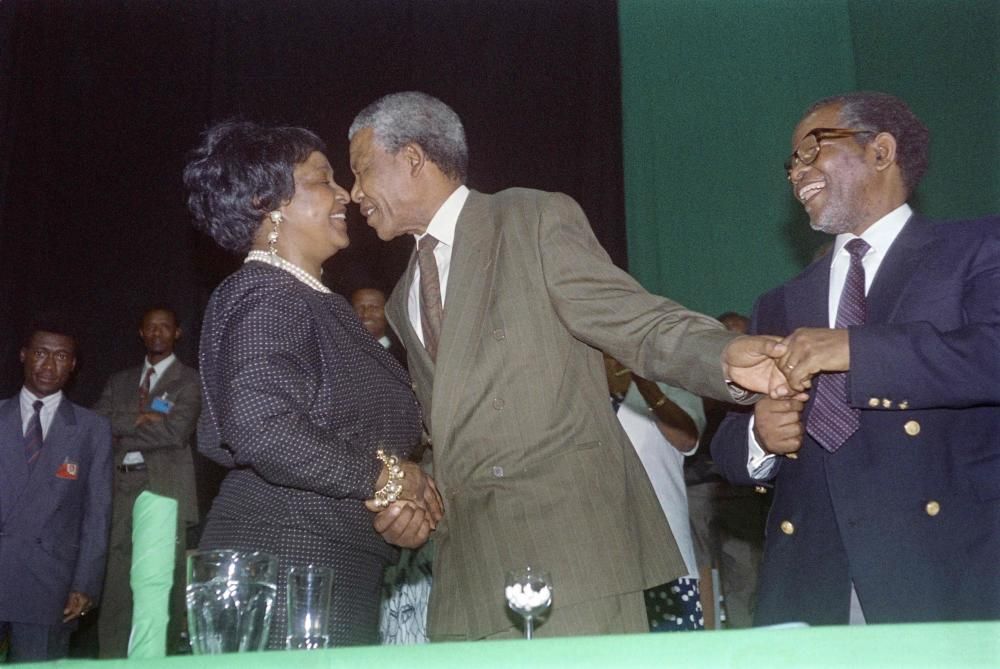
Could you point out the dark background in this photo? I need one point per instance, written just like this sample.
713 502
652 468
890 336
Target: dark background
101 100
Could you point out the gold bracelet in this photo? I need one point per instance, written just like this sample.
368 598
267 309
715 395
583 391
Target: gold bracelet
389 493
660 402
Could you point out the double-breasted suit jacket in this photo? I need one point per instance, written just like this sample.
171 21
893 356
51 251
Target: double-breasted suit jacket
166 445
54 518
532 464
908 509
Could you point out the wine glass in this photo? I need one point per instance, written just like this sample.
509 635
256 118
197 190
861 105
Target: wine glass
529 594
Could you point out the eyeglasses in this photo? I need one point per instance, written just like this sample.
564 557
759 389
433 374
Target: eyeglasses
807 151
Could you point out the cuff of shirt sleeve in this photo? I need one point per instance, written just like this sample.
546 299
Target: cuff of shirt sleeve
759 462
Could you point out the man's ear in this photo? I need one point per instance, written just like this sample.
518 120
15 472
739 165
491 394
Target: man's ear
884 146
415 158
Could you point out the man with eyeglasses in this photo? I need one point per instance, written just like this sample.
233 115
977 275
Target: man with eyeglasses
887 478
55 502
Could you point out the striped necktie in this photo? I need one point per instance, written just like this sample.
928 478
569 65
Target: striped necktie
832 420
431 308
144 388
33 435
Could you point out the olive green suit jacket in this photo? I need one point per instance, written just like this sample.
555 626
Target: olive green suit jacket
531 462
165 446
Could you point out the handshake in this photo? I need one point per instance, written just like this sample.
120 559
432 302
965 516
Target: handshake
783 368
408 521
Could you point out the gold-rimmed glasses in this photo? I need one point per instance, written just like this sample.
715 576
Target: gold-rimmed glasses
807 151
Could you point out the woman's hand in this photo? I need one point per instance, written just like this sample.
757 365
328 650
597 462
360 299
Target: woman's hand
418 488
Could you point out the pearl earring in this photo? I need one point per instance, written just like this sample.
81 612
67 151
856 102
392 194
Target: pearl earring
272 237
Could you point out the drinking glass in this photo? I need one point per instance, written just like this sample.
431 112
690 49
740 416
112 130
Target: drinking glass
529 594
229 598
309 607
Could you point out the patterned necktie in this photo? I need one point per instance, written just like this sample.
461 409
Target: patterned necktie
832 420
33 435
431 309
144 388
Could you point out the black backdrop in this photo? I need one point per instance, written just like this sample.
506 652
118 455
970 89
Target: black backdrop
100 101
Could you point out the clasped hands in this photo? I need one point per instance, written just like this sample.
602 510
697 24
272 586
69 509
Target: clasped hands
409 521
784 369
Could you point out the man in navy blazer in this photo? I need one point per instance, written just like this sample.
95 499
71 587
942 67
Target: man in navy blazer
899 519
55 502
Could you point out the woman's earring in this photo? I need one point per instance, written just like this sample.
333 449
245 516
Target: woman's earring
272 237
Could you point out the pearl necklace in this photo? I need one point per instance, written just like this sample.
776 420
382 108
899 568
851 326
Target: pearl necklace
275 260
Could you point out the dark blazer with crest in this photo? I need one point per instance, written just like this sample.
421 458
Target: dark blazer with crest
165 446
908 509
531 461
296 398
54 521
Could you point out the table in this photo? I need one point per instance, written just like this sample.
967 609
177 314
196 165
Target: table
934 646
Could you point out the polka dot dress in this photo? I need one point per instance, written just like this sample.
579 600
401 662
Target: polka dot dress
297 399
675 607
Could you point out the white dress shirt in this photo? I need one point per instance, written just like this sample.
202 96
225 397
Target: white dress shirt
50 403
880 236
442 228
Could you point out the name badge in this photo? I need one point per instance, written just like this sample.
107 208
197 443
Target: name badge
161 404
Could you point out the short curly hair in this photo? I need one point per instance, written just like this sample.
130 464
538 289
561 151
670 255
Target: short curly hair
239 172
881 112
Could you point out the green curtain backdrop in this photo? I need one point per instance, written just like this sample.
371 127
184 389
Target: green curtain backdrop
711 90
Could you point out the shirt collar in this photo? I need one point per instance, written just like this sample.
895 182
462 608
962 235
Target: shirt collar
882 233
442 225
160 367
28 399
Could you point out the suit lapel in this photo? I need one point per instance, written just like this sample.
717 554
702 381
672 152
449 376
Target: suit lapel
13 468
809 297
165 382
470 281
898 267
57 445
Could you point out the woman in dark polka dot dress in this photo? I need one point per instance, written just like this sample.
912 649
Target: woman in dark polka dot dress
297 396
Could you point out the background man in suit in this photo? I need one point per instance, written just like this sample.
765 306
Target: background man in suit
55 502
887 481
528 455
154 410
369 305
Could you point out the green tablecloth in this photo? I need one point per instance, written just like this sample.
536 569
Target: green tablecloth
931 646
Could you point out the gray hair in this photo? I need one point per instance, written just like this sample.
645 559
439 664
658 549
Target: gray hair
881 112
398 119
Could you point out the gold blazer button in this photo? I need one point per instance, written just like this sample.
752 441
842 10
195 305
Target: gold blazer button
912 428
760 490
887 404
787 527
933 508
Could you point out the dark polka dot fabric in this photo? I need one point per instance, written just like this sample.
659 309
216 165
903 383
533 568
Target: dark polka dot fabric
675 607
297 398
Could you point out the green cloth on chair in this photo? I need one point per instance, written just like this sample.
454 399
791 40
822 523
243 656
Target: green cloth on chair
154 525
